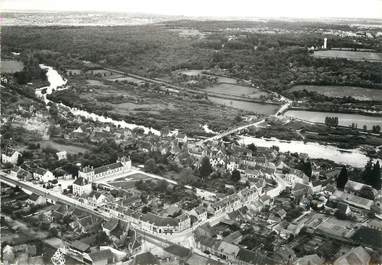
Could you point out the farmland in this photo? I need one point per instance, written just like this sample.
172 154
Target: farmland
350 55
72 149
11 66
147 106
359 93
236 90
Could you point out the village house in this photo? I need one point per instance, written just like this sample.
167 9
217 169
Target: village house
10 156
176 254
353 200
356 255
182 138
61 155
121 167
354 187
227 251
166 225
81 186
42 175
101 257
310 260
295 176
73 72
145 258
35 199
200 213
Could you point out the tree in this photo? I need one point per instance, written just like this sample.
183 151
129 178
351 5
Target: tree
186 176
376 176
150 165
53 232
306 167
235 175
342 178
367 173
376 129
205 168
101 238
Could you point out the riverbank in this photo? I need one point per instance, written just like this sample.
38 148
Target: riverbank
372 113
353 157
344 119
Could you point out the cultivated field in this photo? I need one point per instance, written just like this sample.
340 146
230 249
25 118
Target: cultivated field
236 90
342 91
72 149
350 55
11 66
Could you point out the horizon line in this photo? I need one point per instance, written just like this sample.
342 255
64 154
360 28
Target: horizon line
195 17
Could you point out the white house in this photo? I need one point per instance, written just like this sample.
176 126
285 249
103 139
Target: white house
81 186
182 138
295 176
10 156
61 155
42 174
356 255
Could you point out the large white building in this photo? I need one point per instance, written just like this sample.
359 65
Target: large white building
10 156
81 186
119 168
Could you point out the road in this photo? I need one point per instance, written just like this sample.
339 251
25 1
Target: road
181 239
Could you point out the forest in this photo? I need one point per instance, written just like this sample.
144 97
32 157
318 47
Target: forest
271 61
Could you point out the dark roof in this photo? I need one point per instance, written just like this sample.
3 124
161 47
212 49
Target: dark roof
107 167
80 182
368 237
79 213
159 221
178 251
146 259
39 171
101 255
34 197
112 224
81 246
206 241
233 236
253 257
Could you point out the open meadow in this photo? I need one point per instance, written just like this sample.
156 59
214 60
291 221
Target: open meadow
350 55
359 93
11 66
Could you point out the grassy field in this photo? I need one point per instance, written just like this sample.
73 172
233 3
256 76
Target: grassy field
11 66
351 55
72 149
266 109
342 91
143 106
95 83
236 90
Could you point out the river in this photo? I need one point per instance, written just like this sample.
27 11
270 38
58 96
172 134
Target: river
262 108
352 157
344 119
56 82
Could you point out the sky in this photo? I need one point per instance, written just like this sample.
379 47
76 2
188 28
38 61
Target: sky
213 8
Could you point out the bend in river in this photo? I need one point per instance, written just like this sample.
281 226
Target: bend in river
352 157
57 83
